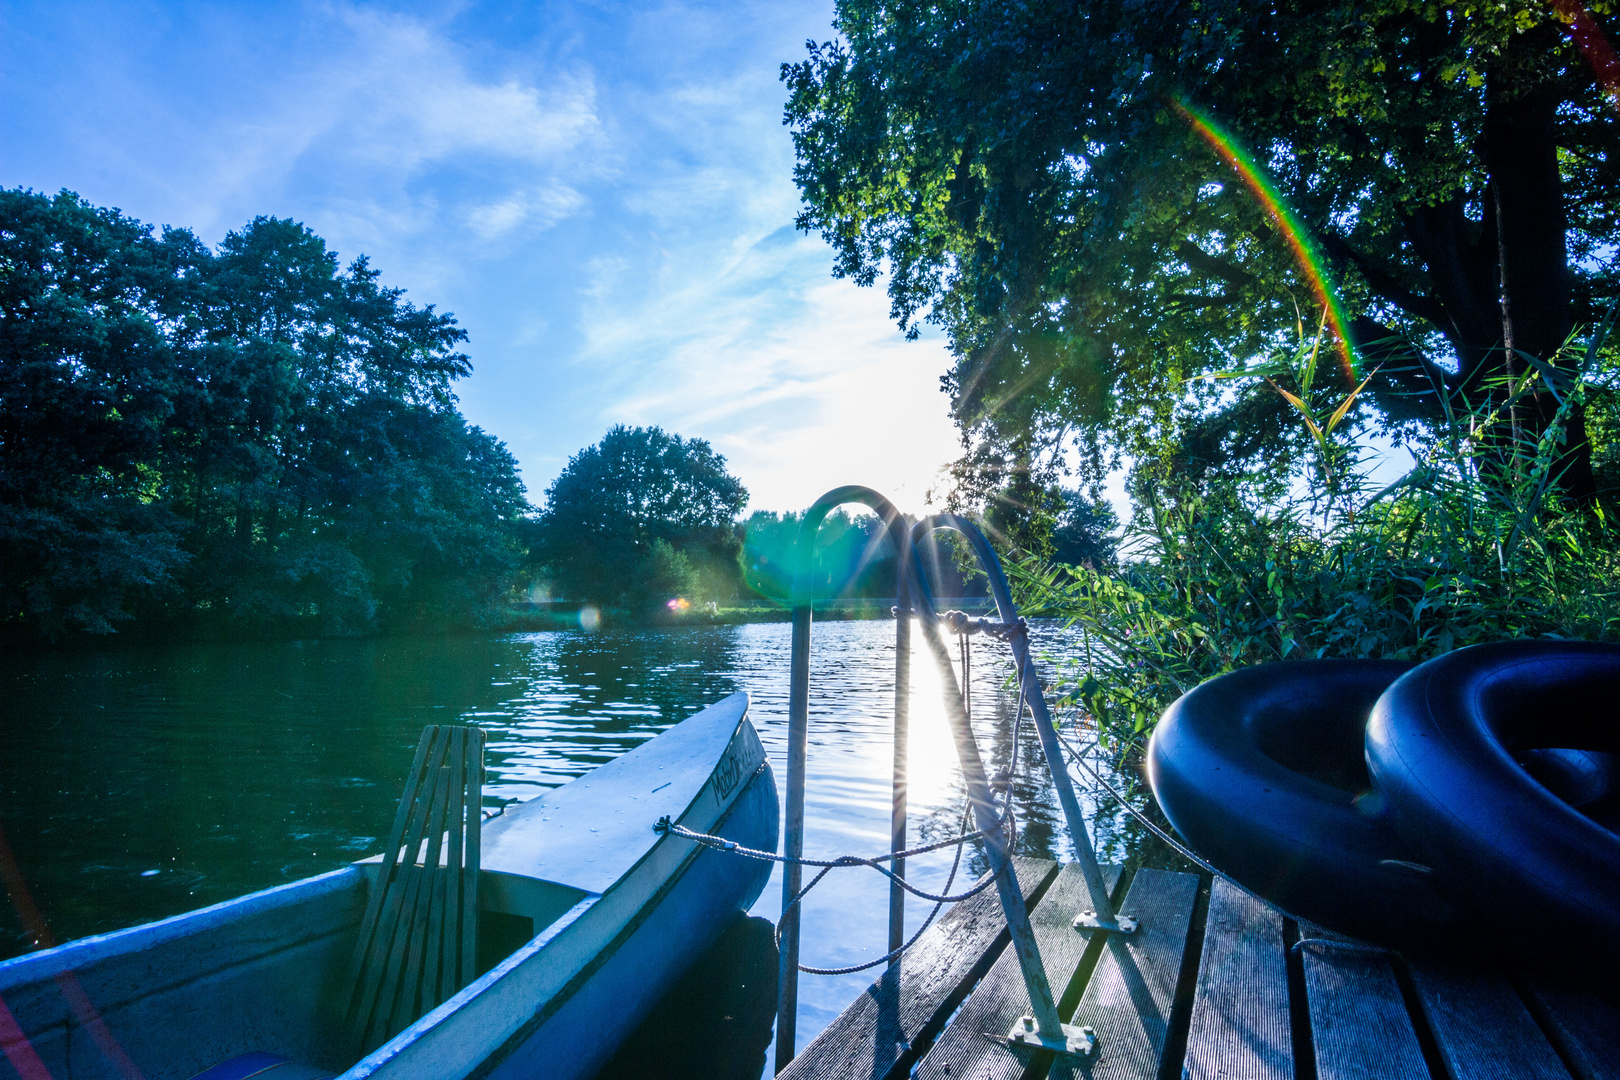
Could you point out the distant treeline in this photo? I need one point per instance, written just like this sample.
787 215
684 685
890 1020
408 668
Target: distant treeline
645 525
853 559
249 439
252 440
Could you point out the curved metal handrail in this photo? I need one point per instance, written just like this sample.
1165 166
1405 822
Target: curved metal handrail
799 727
914 599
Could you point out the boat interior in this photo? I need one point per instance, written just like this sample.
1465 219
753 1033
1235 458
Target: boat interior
267 972
278 972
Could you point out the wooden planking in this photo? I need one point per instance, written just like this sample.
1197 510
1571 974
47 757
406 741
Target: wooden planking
472 828
1240 1023
913 997
1359 1025
1480 1024
1586 1030
1129 995
418 924
364 946
1001 998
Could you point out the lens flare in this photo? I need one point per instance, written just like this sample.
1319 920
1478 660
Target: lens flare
1584 31
1298 238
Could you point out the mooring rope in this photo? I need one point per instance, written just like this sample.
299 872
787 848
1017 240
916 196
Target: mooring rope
892 953
720 843
1003 780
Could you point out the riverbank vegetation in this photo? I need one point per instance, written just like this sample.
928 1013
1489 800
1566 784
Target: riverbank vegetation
248 440
1309 558
639 521
646 527
1130 218
256 441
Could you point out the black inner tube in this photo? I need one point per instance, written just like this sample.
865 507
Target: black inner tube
1479 754
1262 772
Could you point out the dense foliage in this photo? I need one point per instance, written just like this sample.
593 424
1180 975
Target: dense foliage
1024 176
249 439
642 518
1247 569
852 558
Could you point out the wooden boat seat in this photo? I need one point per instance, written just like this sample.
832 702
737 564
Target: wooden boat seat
418 941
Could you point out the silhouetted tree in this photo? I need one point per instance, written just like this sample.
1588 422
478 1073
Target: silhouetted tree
252 439
625 514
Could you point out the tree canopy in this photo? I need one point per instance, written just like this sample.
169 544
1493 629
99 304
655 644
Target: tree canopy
641 518
1027 178
250 437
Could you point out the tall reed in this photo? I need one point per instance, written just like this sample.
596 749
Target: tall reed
1474 544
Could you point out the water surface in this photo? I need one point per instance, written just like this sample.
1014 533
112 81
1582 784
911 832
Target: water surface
140 782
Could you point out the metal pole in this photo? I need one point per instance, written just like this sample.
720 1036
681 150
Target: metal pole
1103 916
1043 1009
902 719
787 1003
787 1000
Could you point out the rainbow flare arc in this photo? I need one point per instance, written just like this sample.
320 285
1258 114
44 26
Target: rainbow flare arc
1299 241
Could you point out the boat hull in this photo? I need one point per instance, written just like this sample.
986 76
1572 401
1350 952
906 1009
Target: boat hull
574 1037
621 910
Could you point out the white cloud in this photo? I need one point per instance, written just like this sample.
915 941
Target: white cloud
405 98
376 128
602 194
540 209
801 381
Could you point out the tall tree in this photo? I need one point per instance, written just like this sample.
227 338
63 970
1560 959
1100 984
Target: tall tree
1024 176
252 437
622 511
86 392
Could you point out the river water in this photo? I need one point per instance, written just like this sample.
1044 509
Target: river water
139 782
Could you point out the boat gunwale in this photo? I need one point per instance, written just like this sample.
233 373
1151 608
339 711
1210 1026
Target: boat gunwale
554 1004
430 1022
77 955
83 955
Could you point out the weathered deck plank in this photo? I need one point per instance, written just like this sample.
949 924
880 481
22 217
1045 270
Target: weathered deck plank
1240 1025
1585 1029
1370 1014
875 1034
1130 994
1001 998
1360 1028
1481 1026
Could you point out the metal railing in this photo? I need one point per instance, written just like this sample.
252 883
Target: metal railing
1042 1027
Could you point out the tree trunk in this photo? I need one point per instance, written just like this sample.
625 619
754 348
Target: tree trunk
1521 156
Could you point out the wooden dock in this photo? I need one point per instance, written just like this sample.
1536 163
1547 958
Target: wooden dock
1214 985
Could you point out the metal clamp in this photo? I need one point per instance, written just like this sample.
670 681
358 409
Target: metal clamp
1119 924
1076 1042
960 622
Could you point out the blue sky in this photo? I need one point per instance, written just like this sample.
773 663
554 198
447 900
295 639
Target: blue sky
602 194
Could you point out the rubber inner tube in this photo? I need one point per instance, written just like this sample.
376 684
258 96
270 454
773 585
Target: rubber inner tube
1262 772
1453 747
1589 780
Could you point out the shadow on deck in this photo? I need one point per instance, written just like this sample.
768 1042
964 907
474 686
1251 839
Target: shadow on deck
1214 984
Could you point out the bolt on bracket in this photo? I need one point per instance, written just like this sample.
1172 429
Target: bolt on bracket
1119 924
1076 1042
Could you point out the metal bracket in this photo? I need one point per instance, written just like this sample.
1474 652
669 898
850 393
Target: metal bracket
1076 1041
1120 924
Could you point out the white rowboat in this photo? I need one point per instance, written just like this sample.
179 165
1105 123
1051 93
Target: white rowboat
586 914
